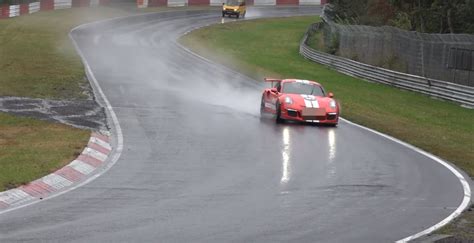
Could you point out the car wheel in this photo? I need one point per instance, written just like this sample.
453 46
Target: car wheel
243 15
278 114
223 14
238 15
262 107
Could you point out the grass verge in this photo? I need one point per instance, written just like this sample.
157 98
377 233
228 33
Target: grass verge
38 60
270 48
30 149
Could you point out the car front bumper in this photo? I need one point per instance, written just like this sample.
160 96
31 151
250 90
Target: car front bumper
295 115
230 12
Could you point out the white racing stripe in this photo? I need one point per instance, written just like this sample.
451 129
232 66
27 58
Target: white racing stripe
310 101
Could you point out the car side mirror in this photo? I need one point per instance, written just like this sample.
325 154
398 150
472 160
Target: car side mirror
274 90
330 95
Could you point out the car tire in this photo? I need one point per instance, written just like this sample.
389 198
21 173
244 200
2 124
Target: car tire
238 15
223 14
262 108
278 114
243 15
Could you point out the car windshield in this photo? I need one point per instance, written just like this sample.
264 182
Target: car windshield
302 88
233 2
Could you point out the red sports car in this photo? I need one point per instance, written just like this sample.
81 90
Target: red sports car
299 100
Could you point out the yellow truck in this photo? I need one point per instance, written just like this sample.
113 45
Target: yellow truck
236 8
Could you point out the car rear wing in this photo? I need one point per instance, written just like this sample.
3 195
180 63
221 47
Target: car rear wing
272 80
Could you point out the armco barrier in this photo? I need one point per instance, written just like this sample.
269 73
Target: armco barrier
177 3
173 3
24 9
46 5
264 2
80 3
216 2
287 2
62 4
14 11
436 88
199 2
8 11
34 7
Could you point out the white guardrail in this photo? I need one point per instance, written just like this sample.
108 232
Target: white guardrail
435 88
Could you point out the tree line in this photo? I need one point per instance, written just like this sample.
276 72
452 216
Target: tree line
429 16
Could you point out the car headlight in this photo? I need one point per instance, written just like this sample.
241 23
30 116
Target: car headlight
332 104
288 100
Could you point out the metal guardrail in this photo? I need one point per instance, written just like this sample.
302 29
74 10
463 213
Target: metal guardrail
435 88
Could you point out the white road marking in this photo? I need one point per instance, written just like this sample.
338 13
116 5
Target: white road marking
467 189
307 102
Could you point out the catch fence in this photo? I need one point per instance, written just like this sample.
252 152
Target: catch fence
436 88
447 57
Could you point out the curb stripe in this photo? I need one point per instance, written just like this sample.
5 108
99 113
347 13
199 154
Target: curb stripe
98 148
69 173
37 188
89 160
55 181
82 167
101 137
4 204
14 196
100 142
95 154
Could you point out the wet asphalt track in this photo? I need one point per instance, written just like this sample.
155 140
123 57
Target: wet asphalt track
199 165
